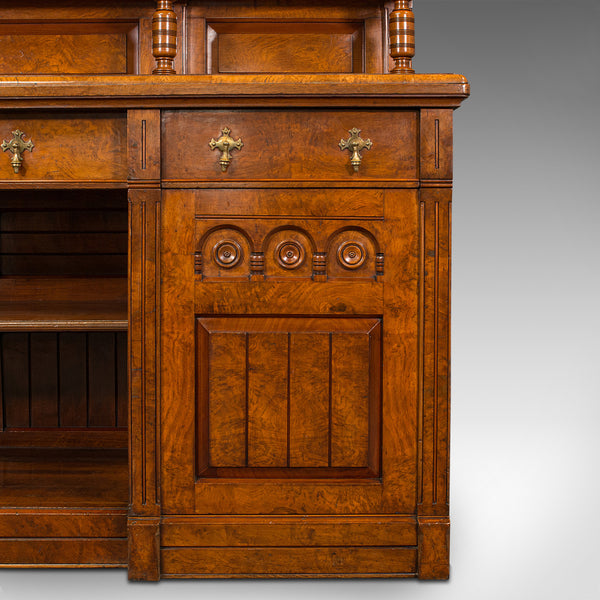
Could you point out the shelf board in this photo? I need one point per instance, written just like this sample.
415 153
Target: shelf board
63 316
53 478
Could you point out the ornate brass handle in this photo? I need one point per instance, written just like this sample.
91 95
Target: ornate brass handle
225 144
17 146
355 144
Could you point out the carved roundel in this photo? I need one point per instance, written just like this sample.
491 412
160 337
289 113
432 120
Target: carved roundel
289 255
227 253
351 255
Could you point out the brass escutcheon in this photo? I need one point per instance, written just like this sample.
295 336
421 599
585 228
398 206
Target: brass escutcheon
17 146
225 144
355 144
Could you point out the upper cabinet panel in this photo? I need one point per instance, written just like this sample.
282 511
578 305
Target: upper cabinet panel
47 48
324 36
266 47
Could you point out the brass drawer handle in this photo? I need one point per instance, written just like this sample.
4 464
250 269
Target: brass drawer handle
355 144
225 144
17 146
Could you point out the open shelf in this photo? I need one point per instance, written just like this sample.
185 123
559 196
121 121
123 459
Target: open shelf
63 316
63 477
63 350
63 303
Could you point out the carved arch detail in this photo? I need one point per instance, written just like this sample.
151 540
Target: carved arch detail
224 251
353 252
288 252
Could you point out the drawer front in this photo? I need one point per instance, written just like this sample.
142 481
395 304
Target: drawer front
78 147
289 145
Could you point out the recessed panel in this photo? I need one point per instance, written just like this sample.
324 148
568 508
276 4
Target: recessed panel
284 47
288 397
68 48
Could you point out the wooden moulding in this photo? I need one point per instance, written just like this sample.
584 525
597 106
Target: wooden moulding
285 90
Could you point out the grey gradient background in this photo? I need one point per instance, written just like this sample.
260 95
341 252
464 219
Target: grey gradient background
525 373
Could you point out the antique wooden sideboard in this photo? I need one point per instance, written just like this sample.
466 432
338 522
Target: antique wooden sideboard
225 279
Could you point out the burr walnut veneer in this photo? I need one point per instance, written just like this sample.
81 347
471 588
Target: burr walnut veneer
225 289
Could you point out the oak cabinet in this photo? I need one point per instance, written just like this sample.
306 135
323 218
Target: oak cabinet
224 324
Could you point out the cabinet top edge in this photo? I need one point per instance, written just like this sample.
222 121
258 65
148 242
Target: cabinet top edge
202 86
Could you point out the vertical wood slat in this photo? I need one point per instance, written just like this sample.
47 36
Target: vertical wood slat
101 379
15 384
267 368
1 389
121 379
350 399
72 348
227 406
44 380
309 400
48 379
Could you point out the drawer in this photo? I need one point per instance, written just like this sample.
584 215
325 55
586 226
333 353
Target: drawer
83 148
289 145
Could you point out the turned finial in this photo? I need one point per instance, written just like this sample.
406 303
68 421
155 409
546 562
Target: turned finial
164 37
402 36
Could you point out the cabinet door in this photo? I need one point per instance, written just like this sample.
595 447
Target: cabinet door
289 351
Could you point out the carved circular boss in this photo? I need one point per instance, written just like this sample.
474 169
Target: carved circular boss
351 255
227 253
289 255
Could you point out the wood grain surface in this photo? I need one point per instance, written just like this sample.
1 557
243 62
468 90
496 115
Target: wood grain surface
288 145
80 146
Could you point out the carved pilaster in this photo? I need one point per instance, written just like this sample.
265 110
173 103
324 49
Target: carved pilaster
144 337
144 323
434 351
402 36
144 349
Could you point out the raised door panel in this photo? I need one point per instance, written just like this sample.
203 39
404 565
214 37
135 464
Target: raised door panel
288 397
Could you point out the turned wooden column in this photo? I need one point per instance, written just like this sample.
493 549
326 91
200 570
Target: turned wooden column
164 37
402 36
